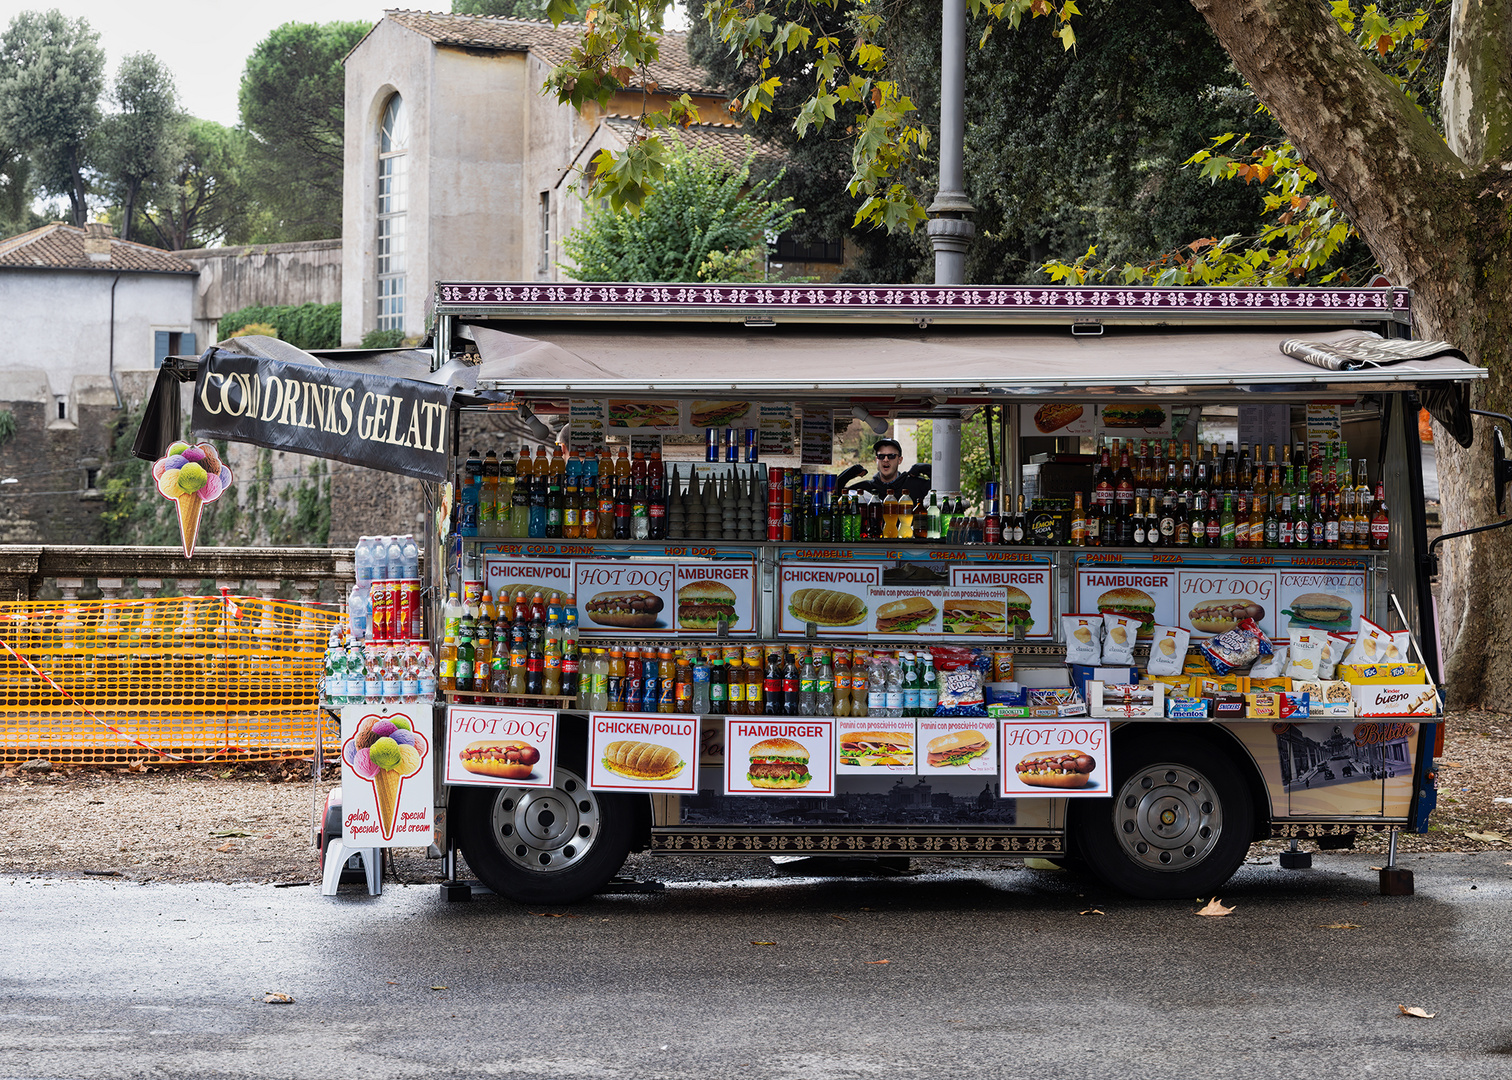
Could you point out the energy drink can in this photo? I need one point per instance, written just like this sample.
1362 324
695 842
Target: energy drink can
711 444
732 444
751 444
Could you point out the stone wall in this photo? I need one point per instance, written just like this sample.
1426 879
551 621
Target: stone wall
263 274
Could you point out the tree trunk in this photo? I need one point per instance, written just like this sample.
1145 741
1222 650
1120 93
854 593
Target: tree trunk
1437 220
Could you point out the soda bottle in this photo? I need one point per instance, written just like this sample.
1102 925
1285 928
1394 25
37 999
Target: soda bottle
771 686
929 687
598 699
824 685
650 680
791 685
614 682
571 663
755 680
911 689
842 695
666 691
859 690
702 674
806 685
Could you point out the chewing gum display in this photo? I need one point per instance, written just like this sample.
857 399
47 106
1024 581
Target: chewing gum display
1083 638
1118 643
1187 708
1168 650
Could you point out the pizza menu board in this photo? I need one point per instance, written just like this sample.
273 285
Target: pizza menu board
1209 601
500 747
643 752
1025 593
765 757
1058 758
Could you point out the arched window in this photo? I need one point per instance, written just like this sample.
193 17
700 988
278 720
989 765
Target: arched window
393 197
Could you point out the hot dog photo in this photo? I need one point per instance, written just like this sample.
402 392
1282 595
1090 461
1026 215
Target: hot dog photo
632 609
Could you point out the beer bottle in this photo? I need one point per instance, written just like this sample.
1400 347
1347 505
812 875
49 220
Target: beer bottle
1139 522
1166 534
1124 486
1103 489
1302 515
1126 523
1380 520
1272 526
1078 523
1228 524
1331 524
1183 525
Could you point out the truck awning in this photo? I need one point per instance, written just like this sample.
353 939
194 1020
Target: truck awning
955 363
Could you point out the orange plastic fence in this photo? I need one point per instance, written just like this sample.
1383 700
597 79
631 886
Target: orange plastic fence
191 678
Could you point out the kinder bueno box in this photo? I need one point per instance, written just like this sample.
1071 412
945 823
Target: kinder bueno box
1396 699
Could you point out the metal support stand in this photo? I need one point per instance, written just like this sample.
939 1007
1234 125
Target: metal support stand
1395 881
1294 858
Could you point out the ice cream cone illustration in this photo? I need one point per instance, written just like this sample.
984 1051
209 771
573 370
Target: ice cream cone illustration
192 476
385 751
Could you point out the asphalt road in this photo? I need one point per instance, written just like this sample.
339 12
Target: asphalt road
987 973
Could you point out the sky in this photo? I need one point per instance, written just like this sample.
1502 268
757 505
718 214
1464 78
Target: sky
205 45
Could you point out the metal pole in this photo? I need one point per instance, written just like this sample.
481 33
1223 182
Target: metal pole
949 229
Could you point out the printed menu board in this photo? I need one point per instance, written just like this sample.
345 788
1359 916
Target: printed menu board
585 425
388 775
627 414
777 437
617 595
963 746
1135 419
932 611
643 752
1210 602
710 591
1327 600
1058 418
767 757
1149 595
1025 595
721 414
833 596
505 575
873 745
1062 758
501 747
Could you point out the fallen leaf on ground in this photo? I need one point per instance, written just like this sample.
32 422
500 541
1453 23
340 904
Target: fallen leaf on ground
842 918
228 834
103 873
1092 911
273 997
228 846
1450 765
555 915
438 988
1214 908
879 961
137 766
1413 1010
763 943
1340 926
1486 837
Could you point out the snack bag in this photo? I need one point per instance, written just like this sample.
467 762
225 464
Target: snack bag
1272 666
1308 648
1338 647
962 674
1168 646
1396 651
1083 638
1237 648
1118 646
1371 646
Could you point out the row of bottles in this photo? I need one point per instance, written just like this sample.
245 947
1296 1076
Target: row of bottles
562 496
400 672
528 646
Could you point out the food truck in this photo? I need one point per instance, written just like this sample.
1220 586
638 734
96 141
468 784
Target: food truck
1134 649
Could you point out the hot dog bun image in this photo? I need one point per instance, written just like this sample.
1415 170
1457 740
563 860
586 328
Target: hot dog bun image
642 760
631 608
1217 616
826 607
507 758
1055 416
1056 769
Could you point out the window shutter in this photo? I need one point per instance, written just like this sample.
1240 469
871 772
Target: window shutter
187 346
160 347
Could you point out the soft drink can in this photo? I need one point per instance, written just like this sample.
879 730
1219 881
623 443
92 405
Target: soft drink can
382 594
751 445
774 481
774 521
408 609
731 444
787 523
711 444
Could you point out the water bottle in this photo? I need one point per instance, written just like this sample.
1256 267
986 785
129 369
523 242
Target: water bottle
911 695
359 612
426 665
393 677
334 687
929 687
372 681
876 687
364 556
393 559
356 678
410 559
894 688
701 671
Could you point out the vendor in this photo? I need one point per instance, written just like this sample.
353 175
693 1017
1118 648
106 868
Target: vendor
889 457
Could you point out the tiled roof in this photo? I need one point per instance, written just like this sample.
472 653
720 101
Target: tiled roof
61 247
674 71
726 141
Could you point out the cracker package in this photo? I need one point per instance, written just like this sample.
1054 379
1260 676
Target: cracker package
1083 638
1168 646
1118 642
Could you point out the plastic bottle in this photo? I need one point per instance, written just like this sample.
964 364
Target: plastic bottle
409 673
650 680
791 685
771 685
333 688
824 685
425 664
372 682
876 686
359 613
666 689
571 656
451 616
702 673
615 685
719 686
551 683
683 688
364 556
806 685
911 688
598 694
465 658
894 687
842 694
409 562
860 668
929 686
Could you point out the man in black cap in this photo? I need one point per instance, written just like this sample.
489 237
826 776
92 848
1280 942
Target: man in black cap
889 457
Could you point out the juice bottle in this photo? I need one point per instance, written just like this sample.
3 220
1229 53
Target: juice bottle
755 680
666 691
615 683
558 472
890 515
842 693
448 678
622 468
519 499
683 690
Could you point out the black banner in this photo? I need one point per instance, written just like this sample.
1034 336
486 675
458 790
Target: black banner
396 425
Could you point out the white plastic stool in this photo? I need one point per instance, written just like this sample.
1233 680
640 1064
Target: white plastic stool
336 858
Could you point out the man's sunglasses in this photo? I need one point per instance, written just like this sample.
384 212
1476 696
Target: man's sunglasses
887 457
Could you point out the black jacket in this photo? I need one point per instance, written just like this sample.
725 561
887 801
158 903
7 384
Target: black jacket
915 481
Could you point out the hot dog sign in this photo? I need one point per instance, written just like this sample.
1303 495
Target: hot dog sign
615 595
1059 758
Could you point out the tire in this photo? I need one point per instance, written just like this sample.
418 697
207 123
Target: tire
1179 824
555 845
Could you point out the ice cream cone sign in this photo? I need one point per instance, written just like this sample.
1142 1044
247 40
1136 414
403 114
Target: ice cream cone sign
191 476
385 751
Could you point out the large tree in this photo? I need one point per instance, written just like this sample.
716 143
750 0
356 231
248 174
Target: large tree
1431 203
139 143
52 71
200 201
291 99
515 9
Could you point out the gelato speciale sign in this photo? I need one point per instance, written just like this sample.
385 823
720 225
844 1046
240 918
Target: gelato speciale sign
396 425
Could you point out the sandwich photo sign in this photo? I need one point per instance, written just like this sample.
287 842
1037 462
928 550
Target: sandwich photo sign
832 596
1060 758
1023 593
487 746
617 595
643 752
868 746
769 757
965 746
714 592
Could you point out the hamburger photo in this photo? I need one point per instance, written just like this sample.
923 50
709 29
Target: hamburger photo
779 764
1321 611
905 616
1134 603
973 617
957 749
1220 616
877 748
701 605
707 414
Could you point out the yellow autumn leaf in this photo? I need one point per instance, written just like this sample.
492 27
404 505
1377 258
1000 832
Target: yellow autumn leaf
1214 908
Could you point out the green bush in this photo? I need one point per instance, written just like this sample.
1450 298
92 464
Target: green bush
383 339
308 326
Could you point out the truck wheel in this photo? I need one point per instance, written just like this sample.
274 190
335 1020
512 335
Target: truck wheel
555 845
1179 823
